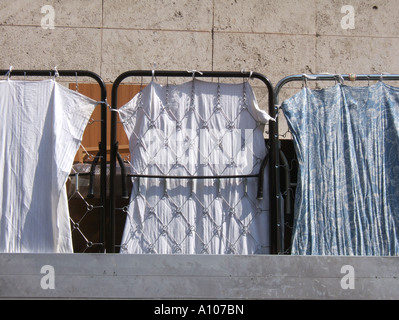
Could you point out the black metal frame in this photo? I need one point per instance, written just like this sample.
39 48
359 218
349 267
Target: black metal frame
102 145
273 139
275 155
304 78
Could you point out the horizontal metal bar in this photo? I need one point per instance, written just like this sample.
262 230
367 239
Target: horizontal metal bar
333 77
191 177
52 73
189 73
80 174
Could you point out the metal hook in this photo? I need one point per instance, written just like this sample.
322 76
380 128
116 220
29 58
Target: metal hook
166 106
340 79
250 73
304 82
154 66
305 78
76 80
193 73
8 74
56 74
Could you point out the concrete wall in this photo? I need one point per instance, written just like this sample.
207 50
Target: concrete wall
276 38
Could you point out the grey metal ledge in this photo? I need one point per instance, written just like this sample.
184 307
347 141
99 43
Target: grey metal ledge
117 276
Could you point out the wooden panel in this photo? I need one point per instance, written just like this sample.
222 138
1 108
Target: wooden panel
92 134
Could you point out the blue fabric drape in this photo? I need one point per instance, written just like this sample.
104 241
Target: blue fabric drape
347 144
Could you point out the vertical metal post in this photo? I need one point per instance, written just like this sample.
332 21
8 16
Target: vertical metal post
274 175
103 179
112 163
